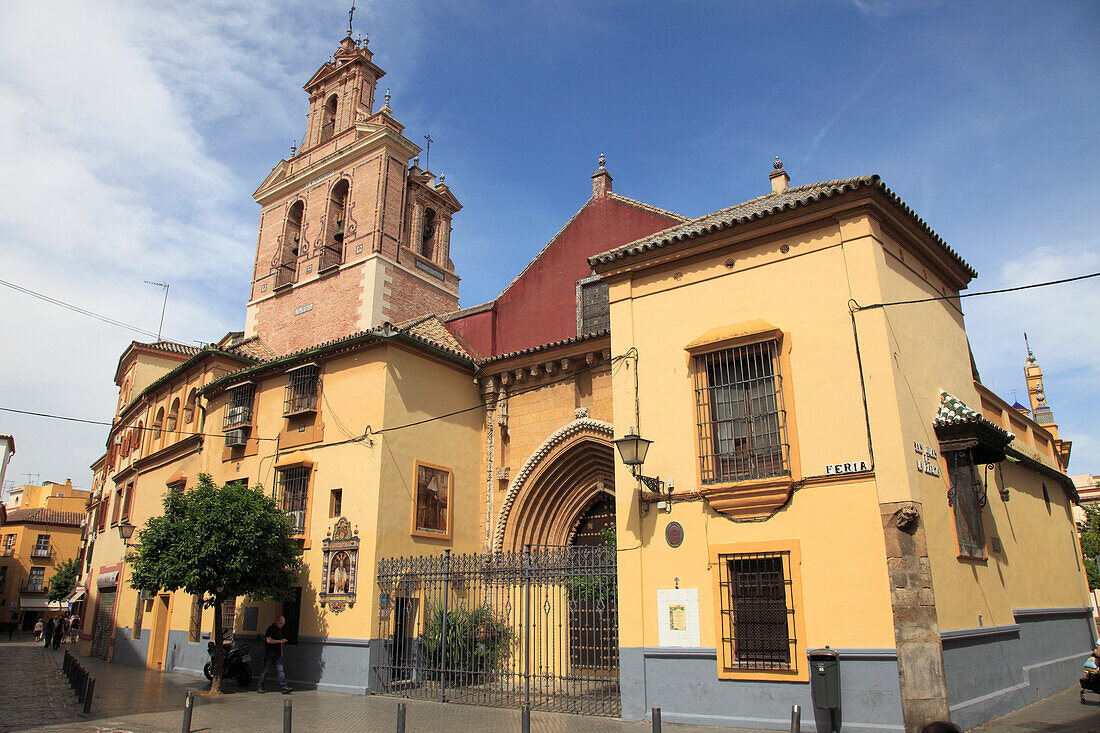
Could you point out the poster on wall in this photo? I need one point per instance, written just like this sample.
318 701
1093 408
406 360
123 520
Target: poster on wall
678 617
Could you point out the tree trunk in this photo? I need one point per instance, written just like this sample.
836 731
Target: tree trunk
219 650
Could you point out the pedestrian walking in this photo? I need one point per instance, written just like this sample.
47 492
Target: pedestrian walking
47 633
74 627
39 627
274 640
58 632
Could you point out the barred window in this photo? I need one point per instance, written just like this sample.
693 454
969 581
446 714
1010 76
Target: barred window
758 624
239 410
294 495
194 631
742 425
35 579
41 546
967 503
301 389
593 310
229 617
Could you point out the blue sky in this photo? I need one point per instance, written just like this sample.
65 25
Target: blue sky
133 134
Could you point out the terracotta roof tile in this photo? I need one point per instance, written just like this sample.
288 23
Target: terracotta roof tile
253 348
45 516
545 347
763 206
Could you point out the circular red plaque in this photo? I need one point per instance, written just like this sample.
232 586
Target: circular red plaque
674 534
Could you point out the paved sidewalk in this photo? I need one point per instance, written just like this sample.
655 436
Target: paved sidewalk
35 697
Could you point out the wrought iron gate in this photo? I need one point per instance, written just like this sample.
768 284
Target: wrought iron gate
539 626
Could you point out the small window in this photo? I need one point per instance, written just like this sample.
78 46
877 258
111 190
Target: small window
758 615
35 580
742 426
158 424
335 504
293 492
1046 498
41 546
229 616
173 416
593 311
966 503
301 389
194 630
239 409
118 506
3 577
127 499
189 406
433 489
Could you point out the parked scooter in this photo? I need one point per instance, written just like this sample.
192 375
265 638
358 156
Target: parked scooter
236 663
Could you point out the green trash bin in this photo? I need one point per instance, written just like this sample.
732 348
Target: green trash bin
825 678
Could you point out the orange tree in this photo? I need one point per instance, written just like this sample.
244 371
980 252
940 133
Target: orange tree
215 543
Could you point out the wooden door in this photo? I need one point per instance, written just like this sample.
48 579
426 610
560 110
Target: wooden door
160 633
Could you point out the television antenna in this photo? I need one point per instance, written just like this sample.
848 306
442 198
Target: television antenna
163 307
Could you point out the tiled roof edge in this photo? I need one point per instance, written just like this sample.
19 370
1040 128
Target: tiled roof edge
544 347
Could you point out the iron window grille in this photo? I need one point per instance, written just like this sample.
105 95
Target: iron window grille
758 629
35 580
303 386
194 630
238 412
741 421
967 503
41 546
294 495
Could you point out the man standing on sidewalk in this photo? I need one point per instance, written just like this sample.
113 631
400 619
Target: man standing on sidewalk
274 639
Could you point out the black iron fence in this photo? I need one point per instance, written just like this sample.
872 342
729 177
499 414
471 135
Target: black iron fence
538 627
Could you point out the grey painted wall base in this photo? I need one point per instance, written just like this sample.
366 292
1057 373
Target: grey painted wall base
130 651
994 670
684 683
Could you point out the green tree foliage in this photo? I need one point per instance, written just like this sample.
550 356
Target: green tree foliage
465 646
217 543
1090 546
63 580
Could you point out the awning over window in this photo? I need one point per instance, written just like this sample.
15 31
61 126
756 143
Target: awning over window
74 597
297 458
958 427
39 603
107 580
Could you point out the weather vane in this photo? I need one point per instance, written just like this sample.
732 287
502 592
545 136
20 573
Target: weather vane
351 14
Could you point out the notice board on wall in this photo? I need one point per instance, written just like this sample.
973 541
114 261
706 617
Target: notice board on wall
678 617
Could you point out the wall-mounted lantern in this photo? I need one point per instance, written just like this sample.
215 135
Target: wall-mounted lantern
632 450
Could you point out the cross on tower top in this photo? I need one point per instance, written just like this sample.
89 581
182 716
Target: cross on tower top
351 15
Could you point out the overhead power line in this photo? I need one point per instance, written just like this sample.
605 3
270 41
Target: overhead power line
83 311
858 307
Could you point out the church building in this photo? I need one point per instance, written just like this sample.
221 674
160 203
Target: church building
713 465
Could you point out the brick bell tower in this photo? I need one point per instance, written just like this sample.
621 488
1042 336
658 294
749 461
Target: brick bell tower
351 235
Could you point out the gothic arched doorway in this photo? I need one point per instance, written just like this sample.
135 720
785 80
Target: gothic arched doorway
558 484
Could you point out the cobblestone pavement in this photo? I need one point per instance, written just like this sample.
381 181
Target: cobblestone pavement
35 697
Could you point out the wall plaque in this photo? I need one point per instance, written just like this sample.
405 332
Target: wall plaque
674 534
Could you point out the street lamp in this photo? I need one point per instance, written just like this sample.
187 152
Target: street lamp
632 450
126 531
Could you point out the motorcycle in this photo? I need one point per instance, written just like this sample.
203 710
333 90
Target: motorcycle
236 663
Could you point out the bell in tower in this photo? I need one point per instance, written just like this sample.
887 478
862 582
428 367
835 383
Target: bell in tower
353 233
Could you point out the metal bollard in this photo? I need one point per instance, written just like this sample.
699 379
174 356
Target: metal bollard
525 719
81 686
796 719
655 713
188 708
287 715
88 695
400 717
65 662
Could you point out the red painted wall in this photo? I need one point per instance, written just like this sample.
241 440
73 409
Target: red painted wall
541 305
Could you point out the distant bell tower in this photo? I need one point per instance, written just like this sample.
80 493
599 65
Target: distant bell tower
351 234
1041 411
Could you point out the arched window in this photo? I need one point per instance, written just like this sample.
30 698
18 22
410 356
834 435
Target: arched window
158 424
427 234
189 408
328 119
174 415
292 236
333 253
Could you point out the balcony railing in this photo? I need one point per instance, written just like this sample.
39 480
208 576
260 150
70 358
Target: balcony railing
237 416
41 552
30 587
297 521
301 391
285 274
8 552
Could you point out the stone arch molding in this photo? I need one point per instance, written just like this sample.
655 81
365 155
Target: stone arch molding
575 433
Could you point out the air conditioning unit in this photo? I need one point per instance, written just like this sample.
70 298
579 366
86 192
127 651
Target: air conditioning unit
235 438
297 519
